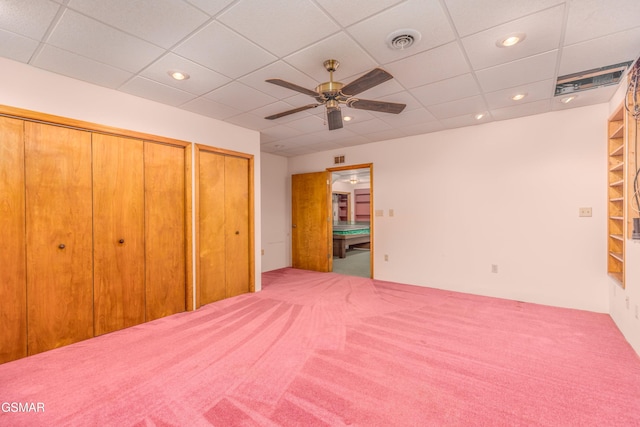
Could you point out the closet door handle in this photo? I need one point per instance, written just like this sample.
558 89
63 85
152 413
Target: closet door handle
121 241
61 246
237 232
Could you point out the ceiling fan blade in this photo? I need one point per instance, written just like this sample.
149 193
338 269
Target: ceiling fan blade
367 81
295 110
334 118
292 86
383 107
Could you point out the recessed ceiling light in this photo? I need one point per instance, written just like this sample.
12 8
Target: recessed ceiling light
179 75
518 96
567 99
479 116
510 40
347 118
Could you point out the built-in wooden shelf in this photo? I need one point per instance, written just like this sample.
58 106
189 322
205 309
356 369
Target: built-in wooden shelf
616 195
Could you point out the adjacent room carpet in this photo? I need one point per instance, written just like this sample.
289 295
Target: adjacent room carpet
322 349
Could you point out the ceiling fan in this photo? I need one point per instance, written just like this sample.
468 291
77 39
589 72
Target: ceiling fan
333 94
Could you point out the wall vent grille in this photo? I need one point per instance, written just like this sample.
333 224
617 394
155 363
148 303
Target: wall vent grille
337 160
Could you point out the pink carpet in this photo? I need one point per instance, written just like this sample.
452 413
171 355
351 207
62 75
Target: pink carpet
317 349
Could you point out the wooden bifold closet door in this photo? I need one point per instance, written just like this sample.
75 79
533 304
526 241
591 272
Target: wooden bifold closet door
13 292
58 236
224 226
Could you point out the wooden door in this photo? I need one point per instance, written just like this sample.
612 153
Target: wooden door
236 205
165 229
211 230
224 232
311 221
58 236
118 227
13 285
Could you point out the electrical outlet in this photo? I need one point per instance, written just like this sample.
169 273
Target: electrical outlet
494 268
584 212
386 257
379 212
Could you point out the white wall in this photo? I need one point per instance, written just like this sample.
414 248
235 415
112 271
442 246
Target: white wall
625 303
276 237
504 193
33 89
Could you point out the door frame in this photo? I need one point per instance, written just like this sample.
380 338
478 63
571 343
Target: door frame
371 216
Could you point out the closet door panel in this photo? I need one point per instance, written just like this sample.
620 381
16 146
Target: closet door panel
13 286
237 237
211 233
118 226
58 236
164 169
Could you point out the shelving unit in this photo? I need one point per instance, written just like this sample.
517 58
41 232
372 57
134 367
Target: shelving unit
343 201
616 195
363 200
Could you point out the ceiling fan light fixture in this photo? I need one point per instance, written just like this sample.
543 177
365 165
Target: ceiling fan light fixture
403 39
347 118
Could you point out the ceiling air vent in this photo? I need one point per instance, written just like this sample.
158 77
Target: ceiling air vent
403 39
590 79
337 160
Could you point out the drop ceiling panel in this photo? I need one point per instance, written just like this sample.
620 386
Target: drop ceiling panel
534 92
409 118
613 49
299 23
155 91
30 18
278 70
88 37
222 50
587 97
201 81
447 90
437 64
542 33
531 108
489 13
353 59
240 97
209 108
16 47
516 73
350 12
79 67
161 22
426 17
596 18
470 106
211 7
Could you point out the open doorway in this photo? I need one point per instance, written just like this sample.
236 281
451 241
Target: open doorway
352 228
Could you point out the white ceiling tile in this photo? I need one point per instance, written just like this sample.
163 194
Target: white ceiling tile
299 23
516 73
162 22
102 43
489 13
224 51
209 108
281 132
240 97
278 70
201 79
587 97
589 19
408 118
352 58
468 106
30 18
426 17
308 124
421 128
431 66
154 91
613 49
249 121
17 47
447 90
462 121
542 33
531 108
534 92
211 7
69 64
349 12
367 126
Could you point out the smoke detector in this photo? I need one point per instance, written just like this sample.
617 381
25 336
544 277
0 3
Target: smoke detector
403 39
